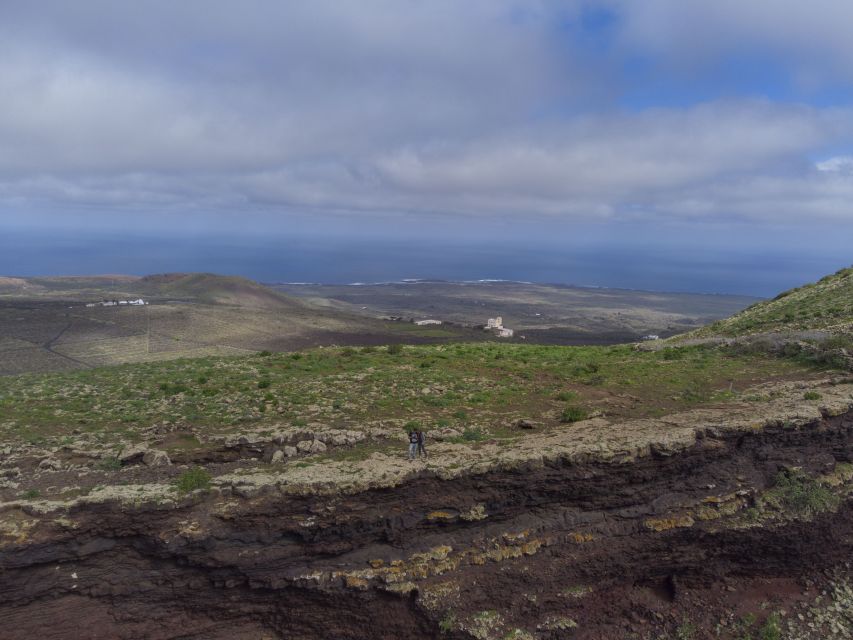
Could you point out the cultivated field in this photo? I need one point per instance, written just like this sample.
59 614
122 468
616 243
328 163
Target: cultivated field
45 324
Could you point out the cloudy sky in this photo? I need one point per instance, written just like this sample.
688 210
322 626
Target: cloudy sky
613 142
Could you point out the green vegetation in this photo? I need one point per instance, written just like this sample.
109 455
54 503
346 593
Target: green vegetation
800 495
573 414
109 464
827 303
811 395
192 479
480 386
447 623
685 631
772 628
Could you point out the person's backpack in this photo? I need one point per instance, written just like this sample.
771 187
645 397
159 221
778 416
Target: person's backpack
413 437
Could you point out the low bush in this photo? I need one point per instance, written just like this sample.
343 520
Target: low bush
573 414
192 479
800 495
473 435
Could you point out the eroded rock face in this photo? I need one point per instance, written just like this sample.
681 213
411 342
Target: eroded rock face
614 535
154 458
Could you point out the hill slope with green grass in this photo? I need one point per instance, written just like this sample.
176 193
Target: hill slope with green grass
823 305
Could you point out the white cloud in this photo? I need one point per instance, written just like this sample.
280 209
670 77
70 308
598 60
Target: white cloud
837 164
481 108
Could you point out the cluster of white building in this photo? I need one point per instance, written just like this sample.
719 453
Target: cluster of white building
497 326
423 323
115 303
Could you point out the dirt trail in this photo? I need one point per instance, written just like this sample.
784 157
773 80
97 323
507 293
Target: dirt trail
48 346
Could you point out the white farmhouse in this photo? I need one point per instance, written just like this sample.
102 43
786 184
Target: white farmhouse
422 323
496 325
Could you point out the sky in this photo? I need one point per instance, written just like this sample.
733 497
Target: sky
665 144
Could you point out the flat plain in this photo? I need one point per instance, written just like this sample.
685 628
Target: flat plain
543 313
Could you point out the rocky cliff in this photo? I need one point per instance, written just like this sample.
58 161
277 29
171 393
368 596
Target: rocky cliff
716 522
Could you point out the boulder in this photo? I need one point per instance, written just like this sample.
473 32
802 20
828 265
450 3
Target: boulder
317 446
289 451
50 464
156 458
134 454
277 457
304 446
524 423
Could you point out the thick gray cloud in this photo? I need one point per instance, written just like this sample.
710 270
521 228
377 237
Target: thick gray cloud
482 108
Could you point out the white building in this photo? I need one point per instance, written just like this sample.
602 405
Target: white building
495 323
138 302
422 323
503 332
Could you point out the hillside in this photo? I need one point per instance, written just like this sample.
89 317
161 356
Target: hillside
569 492
208 288
46 324
588 493
823 305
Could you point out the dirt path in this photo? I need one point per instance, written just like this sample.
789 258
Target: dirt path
48 346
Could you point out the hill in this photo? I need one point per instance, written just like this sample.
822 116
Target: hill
825 305
209 288
47 324
569 492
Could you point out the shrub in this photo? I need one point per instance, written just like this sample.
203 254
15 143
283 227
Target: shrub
685 631
264 384
347 352
473 435
800 495
368 349
573 414
772 628
566 396
265 353
192 479
395 349
447 623
109 464
811 395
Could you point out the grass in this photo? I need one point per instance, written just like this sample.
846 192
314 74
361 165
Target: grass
827 303
573 414
466 386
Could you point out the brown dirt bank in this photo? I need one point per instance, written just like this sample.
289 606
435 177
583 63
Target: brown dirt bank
665 544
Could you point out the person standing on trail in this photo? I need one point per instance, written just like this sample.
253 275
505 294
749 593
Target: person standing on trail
421 444
413 444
